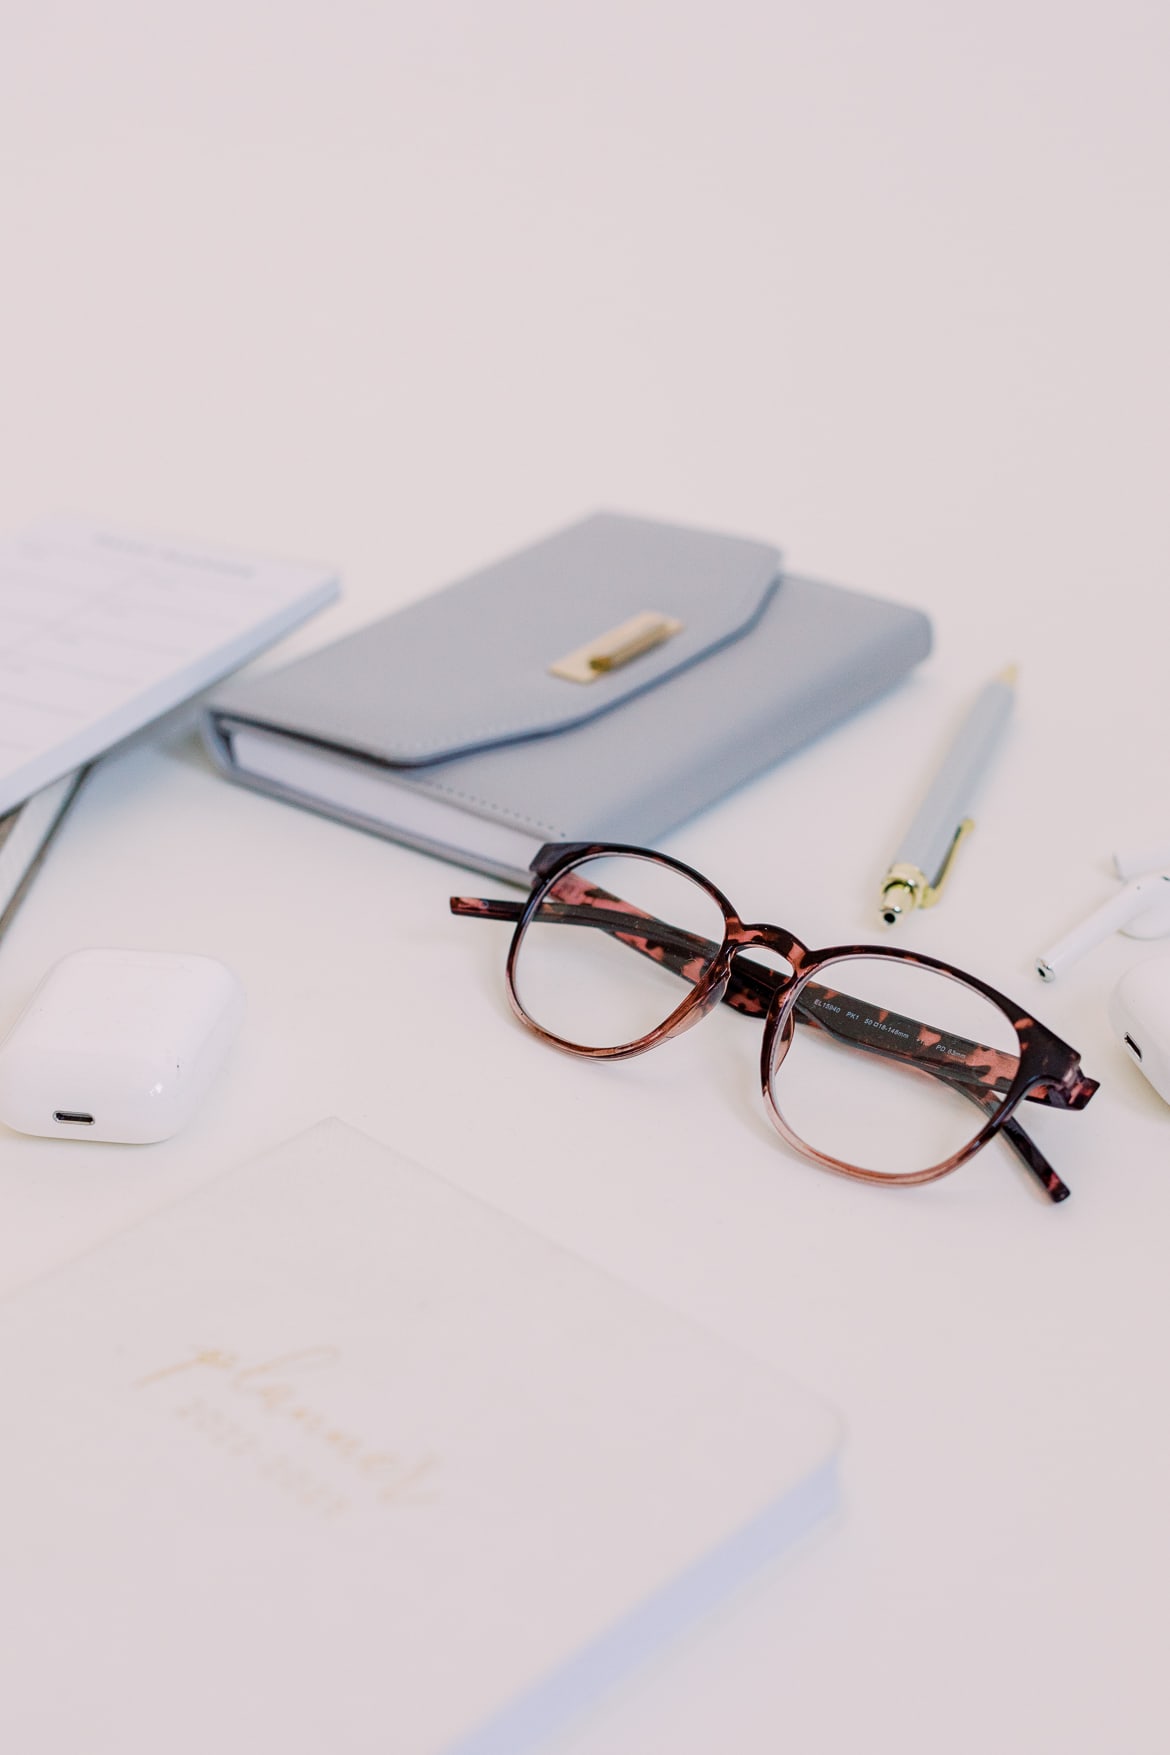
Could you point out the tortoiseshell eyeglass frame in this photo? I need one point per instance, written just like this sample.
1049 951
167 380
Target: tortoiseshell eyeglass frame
1047 1070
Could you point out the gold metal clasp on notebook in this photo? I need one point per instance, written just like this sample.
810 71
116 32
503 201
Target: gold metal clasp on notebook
613 649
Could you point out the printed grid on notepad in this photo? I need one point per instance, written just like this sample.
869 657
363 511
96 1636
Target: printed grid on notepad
90 620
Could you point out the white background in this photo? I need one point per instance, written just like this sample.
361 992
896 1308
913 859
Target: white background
405 288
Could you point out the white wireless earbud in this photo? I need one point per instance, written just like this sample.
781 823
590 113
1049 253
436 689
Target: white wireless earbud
1141 910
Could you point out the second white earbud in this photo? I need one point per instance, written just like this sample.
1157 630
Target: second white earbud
1141 910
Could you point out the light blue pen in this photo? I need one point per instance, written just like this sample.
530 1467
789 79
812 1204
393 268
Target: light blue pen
923 861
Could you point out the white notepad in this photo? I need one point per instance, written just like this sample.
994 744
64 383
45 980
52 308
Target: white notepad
331 1457
102 630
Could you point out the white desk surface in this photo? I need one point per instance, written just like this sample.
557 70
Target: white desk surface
405 287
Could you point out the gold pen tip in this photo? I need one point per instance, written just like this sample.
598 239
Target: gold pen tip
898 898
1010 674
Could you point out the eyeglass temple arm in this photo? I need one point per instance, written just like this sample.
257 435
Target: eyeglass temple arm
753 986
1025 1149
491 908
970 1064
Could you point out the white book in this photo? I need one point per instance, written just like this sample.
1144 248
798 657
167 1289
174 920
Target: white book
330 1456
102 631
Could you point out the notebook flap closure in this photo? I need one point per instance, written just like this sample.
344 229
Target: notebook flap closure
621 602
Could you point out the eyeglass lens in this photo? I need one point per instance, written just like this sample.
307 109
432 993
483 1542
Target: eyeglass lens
891 1068
578 974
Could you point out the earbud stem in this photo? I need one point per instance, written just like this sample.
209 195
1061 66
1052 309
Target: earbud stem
1142 893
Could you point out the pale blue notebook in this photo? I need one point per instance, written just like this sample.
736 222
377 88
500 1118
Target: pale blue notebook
332 1457
451 724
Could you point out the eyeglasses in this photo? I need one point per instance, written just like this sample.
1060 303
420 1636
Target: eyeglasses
878 1063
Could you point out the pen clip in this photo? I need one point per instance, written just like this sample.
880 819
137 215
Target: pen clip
932 891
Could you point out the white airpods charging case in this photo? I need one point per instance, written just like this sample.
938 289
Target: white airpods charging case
1139 1011
118 1045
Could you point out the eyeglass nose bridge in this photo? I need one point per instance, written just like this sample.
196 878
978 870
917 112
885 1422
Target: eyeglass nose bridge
766 937
756 986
